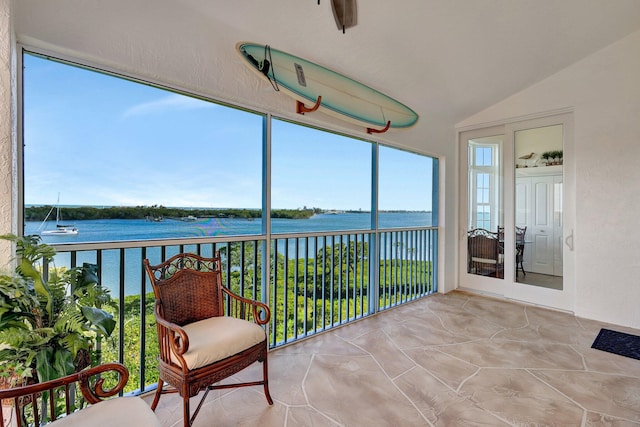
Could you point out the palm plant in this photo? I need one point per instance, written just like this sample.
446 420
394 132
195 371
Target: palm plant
50 324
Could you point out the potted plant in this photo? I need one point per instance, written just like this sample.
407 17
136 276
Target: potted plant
52 324
546 156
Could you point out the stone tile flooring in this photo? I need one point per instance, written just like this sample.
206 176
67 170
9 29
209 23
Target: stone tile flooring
447 360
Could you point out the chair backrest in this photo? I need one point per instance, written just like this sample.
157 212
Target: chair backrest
483 245
520 233
187 287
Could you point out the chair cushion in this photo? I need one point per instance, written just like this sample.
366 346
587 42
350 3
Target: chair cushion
217 338
483 260
119 411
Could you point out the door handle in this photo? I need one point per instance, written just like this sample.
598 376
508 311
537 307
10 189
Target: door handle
569 241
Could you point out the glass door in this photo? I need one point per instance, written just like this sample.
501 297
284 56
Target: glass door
482 243
542 172
517 211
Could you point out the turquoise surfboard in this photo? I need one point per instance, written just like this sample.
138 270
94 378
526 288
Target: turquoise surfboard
342 96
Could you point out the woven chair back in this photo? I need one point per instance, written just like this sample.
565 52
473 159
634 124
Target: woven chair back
483 244
188 288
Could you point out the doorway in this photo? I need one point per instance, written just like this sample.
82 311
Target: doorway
517 211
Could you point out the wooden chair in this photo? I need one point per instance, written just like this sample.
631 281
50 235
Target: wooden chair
484 256
520 233
54 401
206 333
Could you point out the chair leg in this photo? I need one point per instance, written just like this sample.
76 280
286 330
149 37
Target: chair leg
265 378
185 409
156 398
519 264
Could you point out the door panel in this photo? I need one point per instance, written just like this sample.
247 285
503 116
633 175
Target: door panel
542 261
542 226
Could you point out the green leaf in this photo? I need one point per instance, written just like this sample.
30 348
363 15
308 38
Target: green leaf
99 319
15 319
63 362
88 275
28 270
44 366
82 279
51 365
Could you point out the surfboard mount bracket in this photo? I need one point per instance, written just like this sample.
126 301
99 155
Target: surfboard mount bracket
386 128
301 109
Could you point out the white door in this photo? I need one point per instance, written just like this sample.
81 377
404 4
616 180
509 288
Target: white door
545 204
541 231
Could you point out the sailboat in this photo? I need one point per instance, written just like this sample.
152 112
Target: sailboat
61 229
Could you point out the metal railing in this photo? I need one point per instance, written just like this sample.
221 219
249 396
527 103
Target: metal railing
316 281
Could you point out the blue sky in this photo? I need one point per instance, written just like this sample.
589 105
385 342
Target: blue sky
105 141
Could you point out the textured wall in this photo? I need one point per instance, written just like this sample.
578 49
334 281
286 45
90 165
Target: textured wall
6 113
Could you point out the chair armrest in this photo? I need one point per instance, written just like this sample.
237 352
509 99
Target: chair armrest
92 391
247 309
171 338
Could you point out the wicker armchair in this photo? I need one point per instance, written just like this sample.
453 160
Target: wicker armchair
206 333
484 257
54 402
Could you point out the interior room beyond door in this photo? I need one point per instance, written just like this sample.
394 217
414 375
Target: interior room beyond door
538 205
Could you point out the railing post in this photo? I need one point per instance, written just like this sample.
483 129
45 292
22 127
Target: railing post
374 238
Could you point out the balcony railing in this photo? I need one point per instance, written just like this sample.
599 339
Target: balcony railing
316 281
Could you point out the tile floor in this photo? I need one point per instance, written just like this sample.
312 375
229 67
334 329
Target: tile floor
447 360
544 280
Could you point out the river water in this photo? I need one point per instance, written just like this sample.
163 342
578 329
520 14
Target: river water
115 230
139 229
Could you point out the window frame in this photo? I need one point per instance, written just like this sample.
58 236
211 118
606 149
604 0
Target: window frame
268 117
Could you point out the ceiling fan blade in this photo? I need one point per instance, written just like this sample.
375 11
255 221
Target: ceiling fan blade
345 13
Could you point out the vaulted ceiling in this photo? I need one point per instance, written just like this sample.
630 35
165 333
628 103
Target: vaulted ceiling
446 59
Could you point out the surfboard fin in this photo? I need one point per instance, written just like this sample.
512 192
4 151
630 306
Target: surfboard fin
263 66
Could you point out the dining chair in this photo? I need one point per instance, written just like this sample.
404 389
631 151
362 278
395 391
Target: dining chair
520 242
484 256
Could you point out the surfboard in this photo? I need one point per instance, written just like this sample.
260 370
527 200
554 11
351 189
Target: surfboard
340 96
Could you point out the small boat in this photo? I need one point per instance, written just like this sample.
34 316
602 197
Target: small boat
61 229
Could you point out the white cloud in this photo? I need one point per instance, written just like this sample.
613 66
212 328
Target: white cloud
168 103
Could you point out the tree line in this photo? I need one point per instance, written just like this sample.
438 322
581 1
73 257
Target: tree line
39 213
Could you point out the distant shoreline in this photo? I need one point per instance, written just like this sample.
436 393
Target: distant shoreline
158 212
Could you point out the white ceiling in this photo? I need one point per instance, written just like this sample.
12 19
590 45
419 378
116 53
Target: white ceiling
446 59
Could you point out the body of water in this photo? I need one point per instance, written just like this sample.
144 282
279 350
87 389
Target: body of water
114 230
109 230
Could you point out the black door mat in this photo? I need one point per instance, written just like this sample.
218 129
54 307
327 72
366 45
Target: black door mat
618 343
